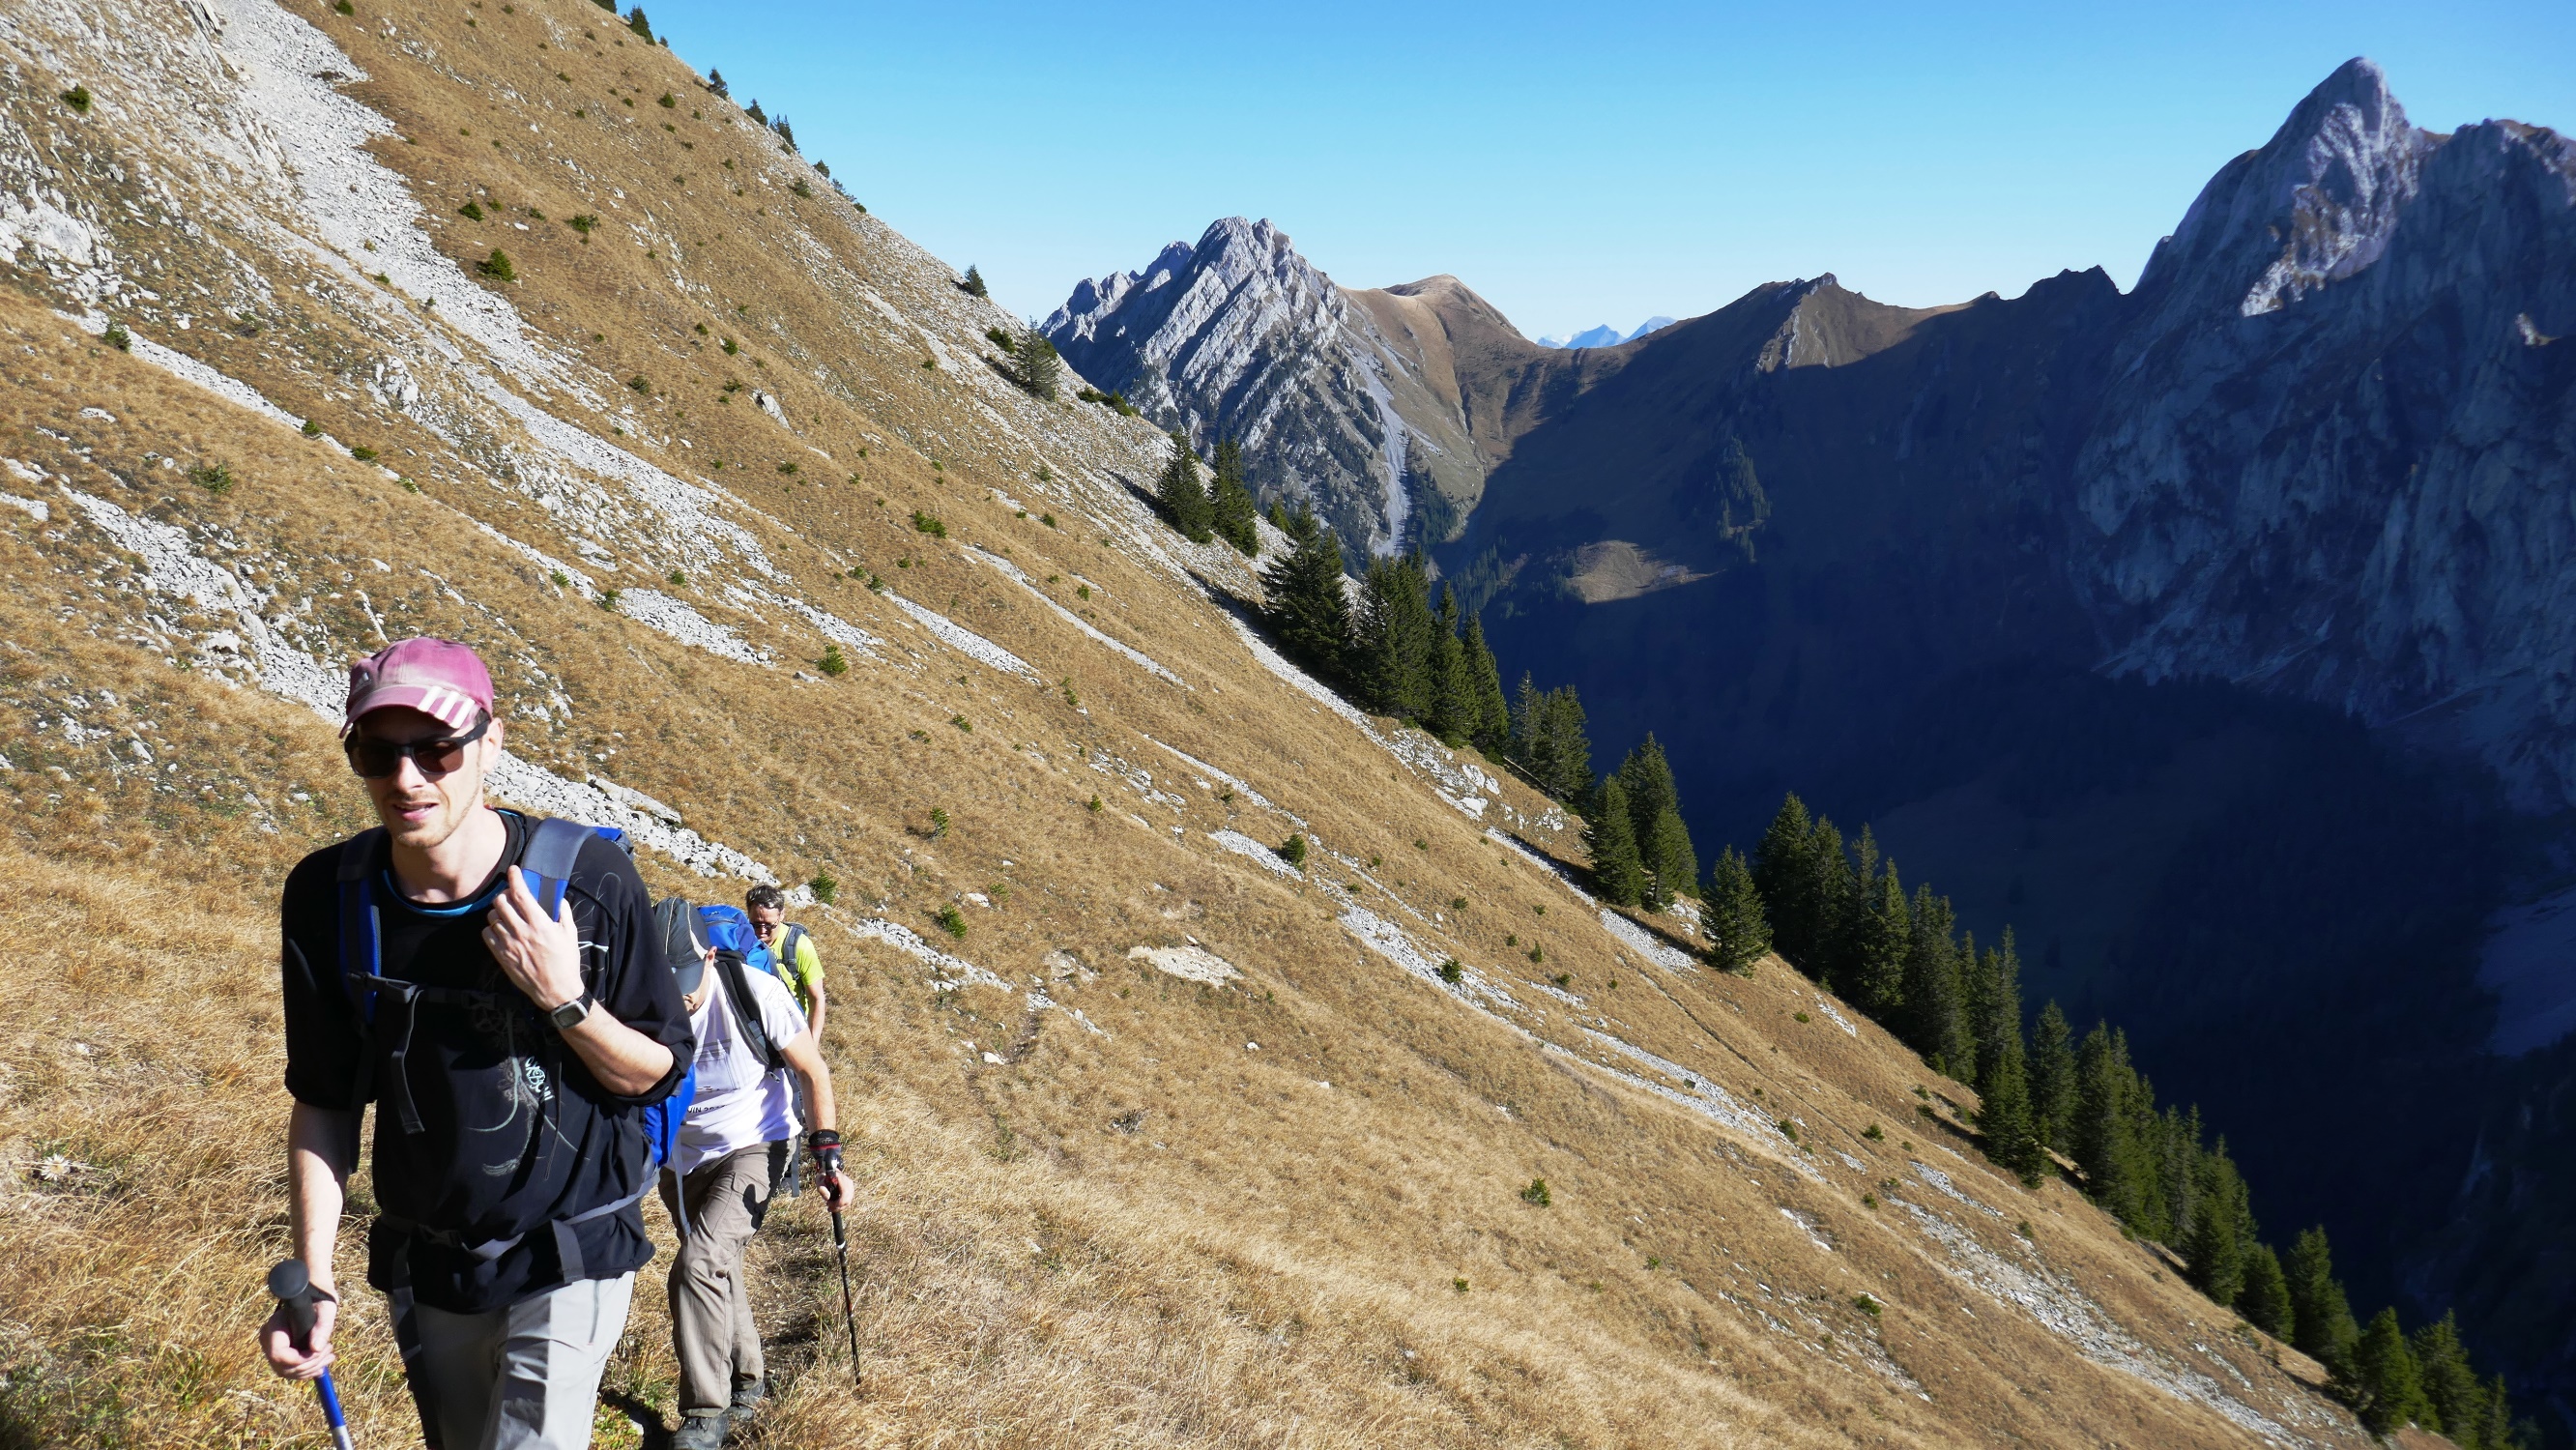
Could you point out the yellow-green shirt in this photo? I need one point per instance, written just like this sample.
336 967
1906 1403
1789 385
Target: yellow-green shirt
805 974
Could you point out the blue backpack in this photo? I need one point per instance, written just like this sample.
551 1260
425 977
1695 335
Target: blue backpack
738 951
547 861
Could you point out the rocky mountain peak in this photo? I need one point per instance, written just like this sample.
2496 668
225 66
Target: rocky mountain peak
2314 205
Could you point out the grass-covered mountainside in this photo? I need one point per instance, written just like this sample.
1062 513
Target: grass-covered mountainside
324 325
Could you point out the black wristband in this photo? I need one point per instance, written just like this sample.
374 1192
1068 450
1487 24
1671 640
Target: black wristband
822 1138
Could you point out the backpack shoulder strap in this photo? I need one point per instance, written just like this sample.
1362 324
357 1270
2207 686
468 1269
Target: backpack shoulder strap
783 960
746 1012
553 845
361 949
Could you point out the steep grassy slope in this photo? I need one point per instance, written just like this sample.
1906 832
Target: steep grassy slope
1176 1144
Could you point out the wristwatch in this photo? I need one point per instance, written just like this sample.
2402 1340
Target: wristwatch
573 1013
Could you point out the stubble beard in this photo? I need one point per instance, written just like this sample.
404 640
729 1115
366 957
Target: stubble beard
458 796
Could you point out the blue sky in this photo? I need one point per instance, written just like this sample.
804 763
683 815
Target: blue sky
1584 163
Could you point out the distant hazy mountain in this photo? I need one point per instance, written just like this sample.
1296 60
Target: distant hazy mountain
1605 335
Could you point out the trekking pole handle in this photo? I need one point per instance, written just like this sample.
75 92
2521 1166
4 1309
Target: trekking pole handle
291 1284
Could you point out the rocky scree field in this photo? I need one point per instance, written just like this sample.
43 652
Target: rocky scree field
327 327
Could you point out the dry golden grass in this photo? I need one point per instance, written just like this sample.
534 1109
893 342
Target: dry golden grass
1234 1215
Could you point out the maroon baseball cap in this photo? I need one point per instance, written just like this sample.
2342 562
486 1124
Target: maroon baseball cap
438 677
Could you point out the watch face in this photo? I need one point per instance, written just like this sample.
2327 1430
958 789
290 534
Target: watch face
571 1013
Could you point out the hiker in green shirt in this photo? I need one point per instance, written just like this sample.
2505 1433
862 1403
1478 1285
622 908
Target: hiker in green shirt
791 951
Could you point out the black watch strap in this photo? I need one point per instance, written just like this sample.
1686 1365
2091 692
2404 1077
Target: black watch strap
573 1013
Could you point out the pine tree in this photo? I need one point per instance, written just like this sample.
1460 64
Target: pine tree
1391 643
2496 1427
1878 930
1491 729
1932 1022
2321 1323
2457 1401
1035 366
2391 1390
1231 509
1308 610
1672 867
1617 877
974 283
1183 497
1278 514
1569 742
1787 883
2175 1156
2101 1131
2214 1241
1731 916
2003 1114
1454 706
1847 891
2052 1079
1529 712
1548 733
2265 1299
717 87
1994 1011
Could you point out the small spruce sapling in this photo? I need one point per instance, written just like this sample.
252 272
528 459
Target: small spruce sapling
825 888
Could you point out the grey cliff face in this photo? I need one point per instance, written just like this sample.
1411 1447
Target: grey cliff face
2337 454
1240 336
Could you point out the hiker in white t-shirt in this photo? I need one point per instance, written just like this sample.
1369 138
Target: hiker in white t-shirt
735 1146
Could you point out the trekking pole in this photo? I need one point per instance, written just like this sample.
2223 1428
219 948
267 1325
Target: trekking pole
841 1246
293 1286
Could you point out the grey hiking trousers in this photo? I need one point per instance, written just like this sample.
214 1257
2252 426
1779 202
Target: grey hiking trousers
524 1377
711 1328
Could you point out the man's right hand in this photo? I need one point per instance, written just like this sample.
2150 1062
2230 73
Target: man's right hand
277 1341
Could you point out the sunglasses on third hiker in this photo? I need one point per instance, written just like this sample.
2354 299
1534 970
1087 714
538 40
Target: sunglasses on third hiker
374 759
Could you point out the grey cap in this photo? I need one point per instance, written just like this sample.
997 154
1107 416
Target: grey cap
684 941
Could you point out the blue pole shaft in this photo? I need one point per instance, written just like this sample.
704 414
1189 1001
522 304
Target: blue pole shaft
330 1395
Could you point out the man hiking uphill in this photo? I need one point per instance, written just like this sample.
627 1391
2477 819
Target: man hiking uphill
735 1146
511 1050
791 951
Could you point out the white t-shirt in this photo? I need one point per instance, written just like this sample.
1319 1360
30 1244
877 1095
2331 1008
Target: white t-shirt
739 1104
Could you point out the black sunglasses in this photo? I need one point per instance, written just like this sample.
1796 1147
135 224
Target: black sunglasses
374 759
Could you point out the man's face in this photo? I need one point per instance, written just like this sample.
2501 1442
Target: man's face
421 811
765 920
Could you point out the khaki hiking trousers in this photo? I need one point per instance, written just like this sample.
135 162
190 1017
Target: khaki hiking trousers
711 1328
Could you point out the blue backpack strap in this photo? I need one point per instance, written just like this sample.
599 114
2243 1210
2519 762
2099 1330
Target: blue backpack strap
553 845
360 949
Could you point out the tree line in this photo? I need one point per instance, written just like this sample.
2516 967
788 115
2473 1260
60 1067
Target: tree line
1840 912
